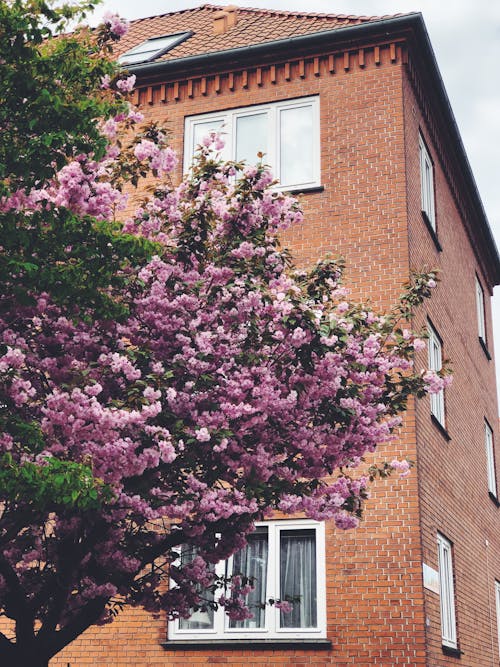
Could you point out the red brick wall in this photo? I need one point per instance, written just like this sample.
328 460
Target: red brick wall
375 598
453 484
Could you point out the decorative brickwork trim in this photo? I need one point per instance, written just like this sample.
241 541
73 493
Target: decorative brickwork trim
305 68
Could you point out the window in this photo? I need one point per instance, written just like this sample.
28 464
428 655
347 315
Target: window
152 48
435 364
446 592
497 598
481 324
286 560
490 459
427 183
286 132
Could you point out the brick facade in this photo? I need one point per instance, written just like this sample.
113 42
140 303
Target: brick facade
372 109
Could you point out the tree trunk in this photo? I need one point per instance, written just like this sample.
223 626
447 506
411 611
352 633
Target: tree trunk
27 658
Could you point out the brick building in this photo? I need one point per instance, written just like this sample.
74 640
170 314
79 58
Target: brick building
352 114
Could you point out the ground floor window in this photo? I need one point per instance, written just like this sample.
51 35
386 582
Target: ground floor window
446 592
286 560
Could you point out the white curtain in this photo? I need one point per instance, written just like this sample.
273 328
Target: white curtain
201 619
251 562
298 578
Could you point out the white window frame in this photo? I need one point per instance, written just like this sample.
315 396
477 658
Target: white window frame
435 351
490 459
446 592
427 182
497 600
481 320
272 630
273 110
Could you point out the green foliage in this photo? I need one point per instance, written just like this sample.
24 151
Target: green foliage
48 104
77 260
51 102
52 484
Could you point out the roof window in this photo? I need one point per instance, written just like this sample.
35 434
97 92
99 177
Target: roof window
152 48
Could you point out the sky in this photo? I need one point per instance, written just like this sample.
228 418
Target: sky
466 39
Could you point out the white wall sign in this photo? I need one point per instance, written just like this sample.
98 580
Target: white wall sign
431 578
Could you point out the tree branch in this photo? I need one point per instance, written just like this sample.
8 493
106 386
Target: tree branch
5 643
20 607
88 615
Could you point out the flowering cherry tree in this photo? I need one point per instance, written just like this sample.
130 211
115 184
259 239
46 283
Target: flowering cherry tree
167 381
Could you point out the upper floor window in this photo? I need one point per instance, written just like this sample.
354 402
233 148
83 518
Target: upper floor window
286 132
427 183
435 364
286 560
481 323
446 592
497 599
490 459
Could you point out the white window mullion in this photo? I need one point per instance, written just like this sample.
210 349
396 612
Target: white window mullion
272 614
274 142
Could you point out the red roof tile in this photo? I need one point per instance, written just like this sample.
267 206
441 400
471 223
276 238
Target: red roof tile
254 26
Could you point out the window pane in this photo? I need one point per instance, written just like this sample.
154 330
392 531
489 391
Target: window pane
296 139
251 562
202 130
298 578
201 619
497 590
447 595
490 458
427 183
435 364
480 310
146 50
251 137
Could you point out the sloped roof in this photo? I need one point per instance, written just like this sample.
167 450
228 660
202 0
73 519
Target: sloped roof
254 26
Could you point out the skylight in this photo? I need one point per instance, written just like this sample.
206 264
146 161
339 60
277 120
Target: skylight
152 48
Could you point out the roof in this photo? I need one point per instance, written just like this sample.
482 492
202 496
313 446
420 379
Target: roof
254 26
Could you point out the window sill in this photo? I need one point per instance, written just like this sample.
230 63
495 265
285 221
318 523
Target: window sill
494 499
306 190
454 652
250 644
440 428
485 349
432 231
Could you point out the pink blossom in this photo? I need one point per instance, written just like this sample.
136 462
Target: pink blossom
403 467
126 85
117 26
202 434
145 149
418 344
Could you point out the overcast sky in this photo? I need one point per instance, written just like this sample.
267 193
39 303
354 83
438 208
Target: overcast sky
466 40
